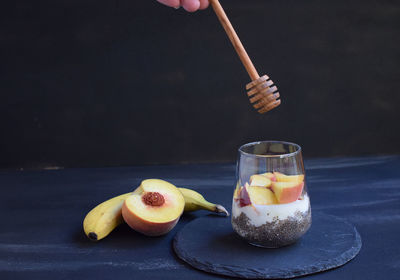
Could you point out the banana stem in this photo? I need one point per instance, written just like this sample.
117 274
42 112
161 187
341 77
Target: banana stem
221 209
215 208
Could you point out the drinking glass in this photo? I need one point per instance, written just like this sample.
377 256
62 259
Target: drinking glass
271 207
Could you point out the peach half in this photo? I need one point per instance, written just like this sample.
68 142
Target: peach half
154 208
261 196
286 192
280 177
259 180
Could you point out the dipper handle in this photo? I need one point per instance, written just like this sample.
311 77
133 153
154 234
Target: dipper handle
244 57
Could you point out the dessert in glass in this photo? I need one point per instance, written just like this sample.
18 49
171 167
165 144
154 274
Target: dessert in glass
271 207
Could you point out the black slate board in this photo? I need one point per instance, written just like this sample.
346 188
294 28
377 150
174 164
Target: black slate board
209 244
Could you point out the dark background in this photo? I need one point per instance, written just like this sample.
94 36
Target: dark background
108 83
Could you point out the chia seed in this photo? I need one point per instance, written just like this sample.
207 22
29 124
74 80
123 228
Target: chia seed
273 234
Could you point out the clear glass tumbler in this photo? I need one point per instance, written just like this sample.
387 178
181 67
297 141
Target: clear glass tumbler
271 207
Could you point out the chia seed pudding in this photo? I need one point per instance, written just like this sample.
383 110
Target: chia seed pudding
272 226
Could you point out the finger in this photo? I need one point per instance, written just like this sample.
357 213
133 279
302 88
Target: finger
190 5
203 4
171 3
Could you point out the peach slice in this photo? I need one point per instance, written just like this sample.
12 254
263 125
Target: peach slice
154 208
270 176
287 192
261 196
236 193
244 196
259 180
280 177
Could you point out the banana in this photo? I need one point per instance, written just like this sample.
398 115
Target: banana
105 217
195 201
102 219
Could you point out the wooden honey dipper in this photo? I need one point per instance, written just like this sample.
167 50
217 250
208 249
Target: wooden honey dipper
262 92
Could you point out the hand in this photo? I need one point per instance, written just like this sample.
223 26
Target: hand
188 5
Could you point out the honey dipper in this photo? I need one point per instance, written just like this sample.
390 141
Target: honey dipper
262 92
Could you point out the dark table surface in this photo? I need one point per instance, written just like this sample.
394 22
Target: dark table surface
41 215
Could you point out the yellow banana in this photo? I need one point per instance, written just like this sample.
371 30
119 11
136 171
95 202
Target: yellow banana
105 217
102 219
195 201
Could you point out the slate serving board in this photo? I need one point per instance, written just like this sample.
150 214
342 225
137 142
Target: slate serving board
209 244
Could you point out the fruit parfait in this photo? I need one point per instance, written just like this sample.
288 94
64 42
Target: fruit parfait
271 207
